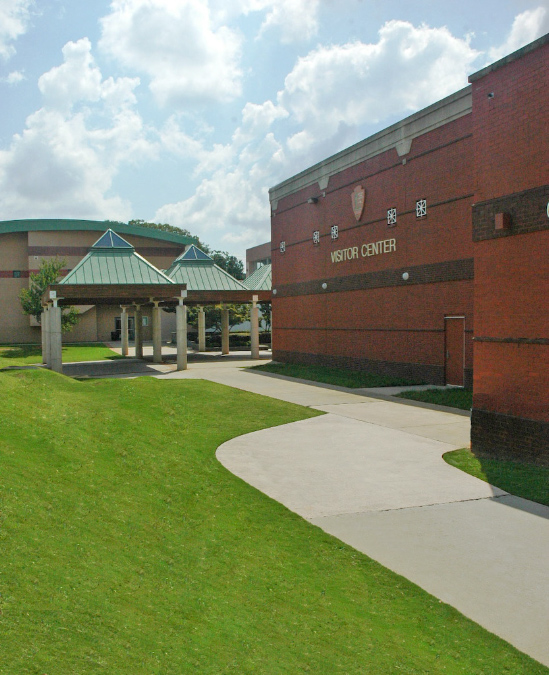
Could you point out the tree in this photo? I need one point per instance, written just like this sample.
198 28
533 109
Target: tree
237 314
229 263
266 316
165 227
31 297
223 259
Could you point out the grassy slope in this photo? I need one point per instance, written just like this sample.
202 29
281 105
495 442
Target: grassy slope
337 376
22 355
453 398
522 480
125 547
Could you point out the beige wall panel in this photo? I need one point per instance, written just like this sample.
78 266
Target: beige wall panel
168 325
86 330
14 325
64 241
105 322
63 238
13 251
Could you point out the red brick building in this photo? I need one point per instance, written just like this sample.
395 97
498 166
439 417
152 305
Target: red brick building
510 234
381 252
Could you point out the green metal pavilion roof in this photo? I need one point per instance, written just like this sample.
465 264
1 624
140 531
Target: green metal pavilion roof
112 260
260 280
61 224
200 273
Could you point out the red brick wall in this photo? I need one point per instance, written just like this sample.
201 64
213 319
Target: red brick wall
386 321
511 269
511 279
511 353
510 128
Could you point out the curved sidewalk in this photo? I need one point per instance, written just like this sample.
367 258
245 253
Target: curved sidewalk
370 472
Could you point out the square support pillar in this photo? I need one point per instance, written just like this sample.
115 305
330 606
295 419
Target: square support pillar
44 335
201 329
224 331
181 328
138 328
124 330
56 347
157 333
254 328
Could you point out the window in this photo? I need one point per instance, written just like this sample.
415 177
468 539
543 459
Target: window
17 274
391 216
145 321
282 246
334 231
316 237
421 208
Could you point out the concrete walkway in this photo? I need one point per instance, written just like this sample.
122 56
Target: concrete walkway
370 472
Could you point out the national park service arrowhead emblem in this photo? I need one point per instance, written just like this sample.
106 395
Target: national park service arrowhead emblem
358 198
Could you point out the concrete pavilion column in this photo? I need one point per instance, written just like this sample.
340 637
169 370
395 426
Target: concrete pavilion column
56 347
124 330
201 329
157 333
138 332
44 335
254 328
224 330
181 328
48 334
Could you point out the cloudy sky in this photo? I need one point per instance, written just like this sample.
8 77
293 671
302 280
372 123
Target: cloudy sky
187 111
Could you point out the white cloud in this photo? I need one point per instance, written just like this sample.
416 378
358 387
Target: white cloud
293 20
187 59
227 208
14 21
526 28
329 97
14 77
50 170
296 19
77 79
231 206
257 118
335 88
64 162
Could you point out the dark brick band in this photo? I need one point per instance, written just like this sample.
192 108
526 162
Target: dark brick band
528 212
364 329
514 341
453 270
415 372
8 274
510 438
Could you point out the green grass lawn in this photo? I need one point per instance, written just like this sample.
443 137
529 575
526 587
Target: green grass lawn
126 548
340 377
523 480
453 398
23 355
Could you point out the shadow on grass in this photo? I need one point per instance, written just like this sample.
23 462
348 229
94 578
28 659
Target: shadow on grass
353 379
452 398
529 481
73 352
21 352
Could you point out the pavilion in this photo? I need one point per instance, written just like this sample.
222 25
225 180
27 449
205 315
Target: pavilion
112 273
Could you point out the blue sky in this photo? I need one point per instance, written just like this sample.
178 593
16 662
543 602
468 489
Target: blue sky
187 111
